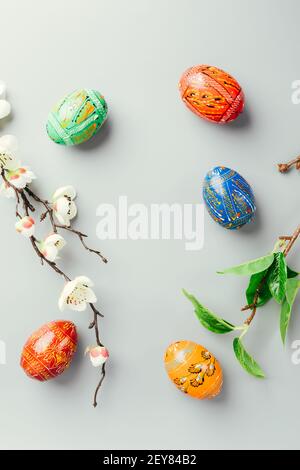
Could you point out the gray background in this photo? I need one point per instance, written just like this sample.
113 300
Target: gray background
152 149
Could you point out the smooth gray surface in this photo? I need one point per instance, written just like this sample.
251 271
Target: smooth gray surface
153 150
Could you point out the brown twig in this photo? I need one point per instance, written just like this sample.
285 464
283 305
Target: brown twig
46 204
99 385
291 240
94 324
284 167
55 226
81 237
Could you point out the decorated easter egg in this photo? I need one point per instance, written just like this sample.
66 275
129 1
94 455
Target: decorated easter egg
77 117
228 198
49 350
211 93
193 369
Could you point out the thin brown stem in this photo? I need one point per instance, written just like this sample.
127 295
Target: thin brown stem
99 385
285 167
81 237
46 204
96 312
250 318
292 241
95 325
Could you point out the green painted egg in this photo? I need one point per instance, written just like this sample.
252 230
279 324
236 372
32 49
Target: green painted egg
77 117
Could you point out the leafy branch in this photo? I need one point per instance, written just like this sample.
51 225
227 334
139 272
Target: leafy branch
270 277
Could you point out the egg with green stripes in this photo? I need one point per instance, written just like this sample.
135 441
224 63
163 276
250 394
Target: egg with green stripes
77 117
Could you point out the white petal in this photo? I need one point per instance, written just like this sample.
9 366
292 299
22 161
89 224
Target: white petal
62 206
2 89
7 191
90 296
55 240
68 191
29 175
50 253
5 108
69 288
84 281
18 183
72 210
80 307
8 143
98 360
62 220
61 303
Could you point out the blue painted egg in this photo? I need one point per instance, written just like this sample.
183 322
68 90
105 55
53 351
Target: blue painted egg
228 198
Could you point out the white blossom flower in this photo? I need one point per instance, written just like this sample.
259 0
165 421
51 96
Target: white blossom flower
19 178
98 355
63 205
26 226
8 148
77 294
5 107
51 246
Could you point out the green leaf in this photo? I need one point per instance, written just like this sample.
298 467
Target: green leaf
264 292
291 273
251 267
292 287
246 361
208 319
277 277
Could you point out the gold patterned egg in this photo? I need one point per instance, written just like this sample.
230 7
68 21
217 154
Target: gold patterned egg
193 369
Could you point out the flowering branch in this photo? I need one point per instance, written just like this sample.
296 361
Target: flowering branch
77 293
55 226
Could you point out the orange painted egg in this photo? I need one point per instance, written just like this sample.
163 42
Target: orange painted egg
49 350
193 369
211 93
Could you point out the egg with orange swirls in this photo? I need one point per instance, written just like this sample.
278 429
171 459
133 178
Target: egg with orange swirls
49 351
193 369
211 93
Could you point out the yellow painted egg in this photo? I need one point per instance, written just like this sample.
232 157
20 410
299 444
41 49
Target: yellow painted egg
193 369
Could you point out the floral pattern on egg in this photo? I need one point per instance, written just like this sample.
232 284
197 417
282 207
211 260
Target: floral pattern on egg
193 369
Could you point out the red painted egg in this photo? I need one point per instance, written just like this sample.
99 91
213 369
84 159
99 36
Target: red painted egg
211 93
49 350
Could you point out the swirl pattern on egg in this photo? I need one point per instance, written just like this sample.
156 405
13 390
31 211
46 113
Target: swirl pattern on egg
228 197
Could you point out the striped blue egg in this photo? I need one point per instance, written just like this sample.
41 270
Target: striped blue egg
228 197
